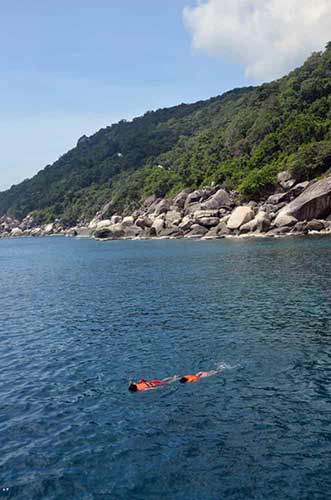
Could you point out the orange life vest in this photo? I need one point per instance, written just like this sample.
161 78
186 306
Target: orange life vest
191 378
144 384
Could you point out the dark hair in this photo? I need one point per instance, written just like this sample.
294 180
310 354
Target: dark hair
183 380
132 387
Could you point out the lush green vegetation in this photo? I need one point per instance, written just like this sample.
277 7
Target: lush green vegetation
239 140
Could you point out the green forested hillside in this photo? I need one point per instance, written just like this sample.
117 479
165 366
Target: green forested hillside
239 140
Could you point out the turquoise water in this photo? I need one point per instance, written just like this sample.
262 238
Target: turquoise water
80 318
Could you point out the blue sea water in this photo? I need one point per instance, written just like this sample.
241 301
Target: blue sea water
80 318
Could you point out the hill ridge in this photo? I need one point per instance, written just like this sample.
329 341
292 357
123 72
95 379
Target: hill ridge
239 140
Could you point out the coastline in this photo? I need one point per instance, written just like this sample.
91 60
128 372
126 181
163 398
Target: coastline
246 236
209 213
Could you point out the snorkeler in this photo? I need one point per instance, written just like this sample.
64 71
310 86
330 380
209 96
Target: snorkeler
144 385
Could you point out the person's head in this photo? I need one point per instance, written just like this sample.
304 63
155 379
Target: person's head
132 386
183 380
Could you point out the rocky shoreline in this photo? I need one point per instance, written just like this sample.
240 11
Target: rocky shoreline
296 208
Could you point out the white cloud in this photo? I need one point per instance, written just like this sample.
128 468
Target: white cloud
268 37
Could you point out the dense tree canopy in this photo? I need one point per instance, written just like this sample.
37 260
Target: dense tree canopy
240 140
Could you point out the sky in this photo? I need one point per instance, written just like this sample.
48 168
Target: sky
70 67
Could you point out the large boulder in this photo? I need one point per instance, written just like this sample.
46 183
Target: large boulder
116 219
27 222
240 216
93 224
180 199
149 201
103 223
158 225
284 219
173 218
248 227
199 195
105 209
49 228
224 220
149 206
117 230
206 218
192 208
209 221
143 222
221 199
260 223
277 198
313 203
127 221
298 188
199 214
113 231
37 231
161 207
17 231
194 197
186 223
285 179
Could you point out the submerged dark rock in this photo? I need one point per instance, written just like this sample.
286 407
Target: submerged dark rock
315 225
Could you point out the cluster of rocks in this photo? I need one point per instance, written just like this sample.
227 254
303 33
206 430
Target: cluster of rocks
190 214
10 227
208 213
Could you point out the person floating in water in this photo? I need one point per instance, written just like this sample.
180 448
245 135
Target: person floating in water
144 385
194 378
